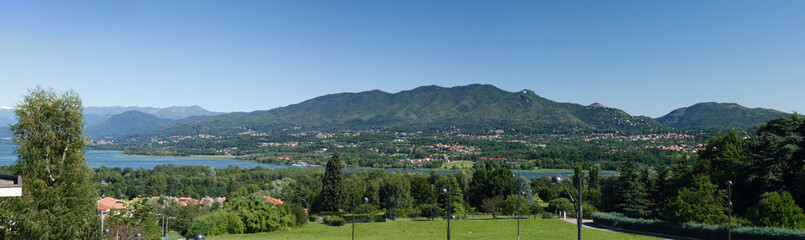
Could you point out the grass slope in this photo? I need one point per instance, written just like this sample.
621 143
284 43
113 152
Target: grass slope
462 229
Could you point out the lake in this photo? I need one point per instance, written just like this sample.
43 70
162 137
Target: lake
97 158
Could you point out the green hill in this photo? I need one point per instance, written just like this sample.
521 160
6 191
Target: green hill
718 115
471 108
125 123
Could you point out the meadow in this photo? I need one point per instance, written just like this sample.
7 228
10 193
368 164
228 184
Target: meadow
478 228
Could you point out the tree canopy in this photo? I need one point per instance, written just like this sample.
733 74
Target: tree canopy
58 199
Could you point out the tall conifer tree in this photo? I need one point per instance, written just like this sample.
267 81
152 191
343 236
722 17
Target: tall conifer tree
332 189
630 193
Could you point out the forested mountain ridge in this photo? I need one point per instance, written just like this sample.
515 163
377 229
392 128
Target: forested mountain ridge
464 108
718 115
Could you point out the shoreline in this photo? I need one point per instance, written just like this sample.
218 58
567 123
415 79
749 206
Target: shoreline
190 156
359 168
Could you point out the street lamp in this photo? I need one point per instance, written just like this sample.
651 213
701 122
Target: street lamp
354 206
729 207
558 180
520 192
198 236
103 195
448 192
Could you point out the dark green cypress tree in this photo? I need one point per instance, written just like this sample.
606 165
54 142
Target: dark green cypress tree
58 199
630 193
593 179
332 197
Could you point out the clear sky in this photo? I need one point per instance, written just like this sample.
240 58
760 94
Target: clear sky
645 57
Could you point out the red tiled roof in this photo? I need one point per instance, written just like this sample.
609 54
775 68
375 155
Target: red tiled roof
273 200
109 203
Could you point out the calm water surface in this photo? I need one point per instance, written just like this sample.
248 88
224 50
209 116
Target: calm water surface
97 158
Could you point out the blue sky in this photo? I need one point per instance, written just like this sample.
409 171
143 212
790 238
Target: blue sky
645 57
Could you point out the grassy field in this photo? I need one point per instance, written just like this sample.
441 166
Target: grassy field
458 164
421 230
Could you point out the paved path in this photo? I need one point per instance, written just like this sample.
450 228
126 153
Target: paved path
588 223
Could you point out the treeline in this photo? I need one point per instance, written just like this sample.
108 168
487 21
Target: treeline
380 150
766 172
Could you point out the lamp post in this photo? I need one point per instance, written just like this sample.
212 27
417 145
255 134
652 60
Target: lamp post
729 207
448 192
558 180
103 195
520 192
354 206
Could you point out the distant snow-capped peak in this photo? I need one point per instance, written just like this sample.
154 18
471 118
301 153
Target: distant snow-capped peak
6 108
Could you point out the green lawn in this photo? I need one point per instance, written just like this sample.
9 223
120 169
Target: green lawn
420 230
458 164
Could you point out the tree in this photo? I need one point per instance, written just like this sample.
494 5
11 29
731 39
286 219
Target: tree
509 206
777 153
521 185
561 204
489 182
722 158
139 218
703 203
332 198
661 191
395 195
492 206
776 210
630 194
593 179
58 199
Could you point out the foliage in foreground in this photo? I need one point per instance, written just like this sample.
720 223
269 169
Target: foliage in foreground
58 200
695 230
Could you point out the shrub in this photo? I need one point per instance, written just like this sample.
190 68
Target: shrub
430 211
217 223
560 204
587 210
334 221
298 211
694 230
776 210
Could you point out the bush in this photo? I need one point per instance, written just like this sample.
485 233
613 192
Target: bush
694 230
298 211
587 210
334 221
561 204
217 223
776 210
429 211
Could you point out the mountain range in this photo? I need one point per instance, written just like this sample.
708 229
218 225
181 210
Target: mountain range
96 115
103 121
471 108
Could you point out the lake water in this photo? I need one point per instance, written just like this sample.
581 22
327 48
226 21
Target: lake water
97 158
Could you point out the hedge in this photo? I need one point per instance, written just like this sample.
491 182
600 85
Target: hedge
694 230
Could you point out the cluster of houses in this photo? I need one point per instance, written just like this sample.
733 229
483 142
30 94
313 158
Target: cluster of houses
112 204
